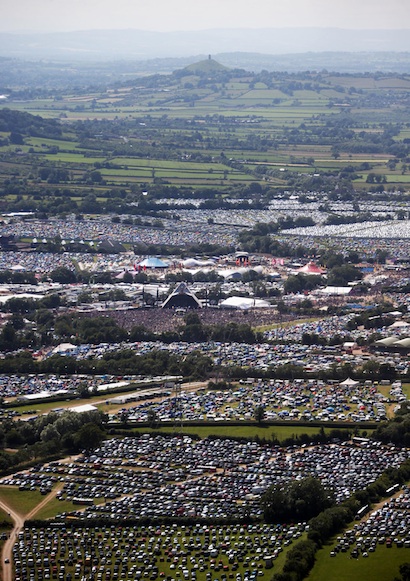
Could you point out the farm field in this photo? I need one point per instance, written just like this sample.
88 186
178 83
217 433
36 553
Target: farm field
311 125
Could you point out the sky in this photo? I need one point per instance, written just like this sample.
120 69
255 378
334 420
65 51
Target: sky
174 15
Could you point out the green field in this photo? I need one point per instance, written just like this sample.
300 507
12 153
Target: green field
20 501
280 433
306 132
382 565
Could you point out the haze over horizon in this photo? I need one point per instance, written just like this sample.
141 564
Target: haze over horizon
184 15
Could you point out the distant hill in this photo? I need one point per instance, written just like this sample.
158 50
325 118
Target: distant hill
97 45
205 67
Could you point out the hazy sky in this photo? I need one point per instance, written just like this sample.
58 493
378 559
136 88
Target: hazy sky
60 15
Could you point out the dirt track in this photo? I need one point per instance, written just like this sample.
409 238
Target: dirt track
7 568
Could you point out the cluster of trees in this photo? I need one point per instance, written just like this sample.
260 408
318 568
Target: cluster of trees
296 500
336 371
396 431
19 124
356 218
17 277
252 241
89 330
337 276
298 283
333 519
123 362
50 435
374 318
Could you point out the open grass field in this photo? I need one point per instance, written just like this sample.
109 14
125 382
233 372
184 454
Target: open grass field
43 142
79 157
55 507
382 565
406 389
263 432
20 501
52 508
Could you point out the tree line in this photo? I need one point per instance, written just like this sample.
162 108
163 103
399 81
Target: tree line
50 435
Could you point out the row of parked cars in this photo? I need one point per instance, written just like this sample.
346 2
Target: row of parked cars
147 553
389 525
149 476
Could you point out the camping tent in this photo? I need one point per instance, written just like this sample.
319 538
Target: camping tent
335 290
398 325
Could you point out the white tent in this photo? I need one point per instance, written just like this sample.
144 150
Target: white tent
349 382
64 347
403 343
153 262
80 409
193 262
237 273
398 325
387 341
335 290
243 303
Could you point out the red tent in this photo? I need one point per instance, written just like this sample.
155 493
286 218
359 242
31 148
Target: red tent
311 268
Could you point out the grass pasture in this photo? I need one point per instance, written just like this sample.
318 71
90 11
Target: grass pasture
75 158
382 565
43 142
55 507
279 432
276 120
22 501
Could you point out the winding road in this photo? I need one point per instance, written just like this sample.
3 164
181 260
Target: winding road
19 519
7 568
